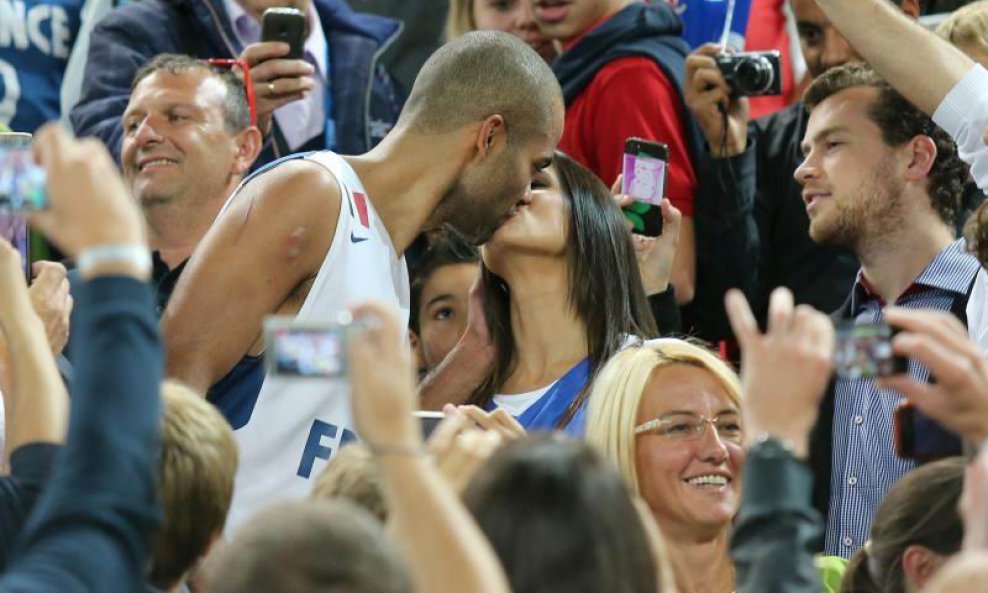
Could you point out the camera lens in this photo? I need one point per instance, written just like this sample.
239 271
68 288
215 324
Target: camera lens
753 75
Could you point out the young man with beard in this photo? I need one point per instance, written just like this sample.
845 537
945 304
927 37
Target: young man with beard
622 76
316 233
752 228
881 180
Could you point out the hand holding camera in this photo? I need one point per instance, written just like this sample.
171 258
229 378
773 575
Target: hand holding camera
959 398
88 203
709 97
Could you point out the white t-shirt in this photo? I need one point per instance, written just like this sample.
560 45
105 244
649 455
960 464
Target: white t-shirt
964 115
518 404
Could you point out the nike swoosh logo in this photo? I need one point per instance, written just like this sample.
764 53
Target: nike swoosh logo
355 239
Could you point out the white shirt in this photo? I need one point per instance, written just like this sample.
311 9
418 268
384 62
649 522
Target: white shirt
300 121
518 404
963 114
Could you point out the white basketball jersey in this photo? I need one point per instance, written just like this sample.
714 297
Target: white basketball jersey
298 424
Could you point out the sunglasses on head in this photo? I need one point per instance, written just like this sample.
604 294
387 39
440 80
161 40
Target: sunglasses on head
237 63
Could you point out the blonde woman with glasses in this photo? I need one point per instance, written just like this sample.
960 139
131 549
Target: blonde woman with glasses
669 415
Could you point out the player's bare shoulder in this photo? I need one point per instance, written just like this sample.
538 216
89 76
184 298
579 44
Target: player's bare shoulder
300 186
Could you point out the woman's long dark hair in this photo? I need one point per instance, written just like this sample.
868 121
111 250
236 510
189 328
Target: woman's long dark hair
920 509
561 520
604 283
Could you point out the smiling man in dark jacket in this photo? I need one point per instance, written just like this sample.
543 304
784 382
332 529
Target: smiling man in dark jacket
339 97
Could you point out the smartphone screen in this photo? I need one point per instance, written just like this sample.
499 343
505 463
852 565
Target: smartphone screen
22 181
304 349
644 179
865 351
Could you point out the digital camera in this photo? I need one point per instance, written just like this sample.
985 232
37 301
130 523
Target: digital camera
752 74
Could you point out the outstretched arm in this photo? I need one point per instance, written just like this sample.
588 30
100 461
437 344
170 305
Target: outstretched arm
879 32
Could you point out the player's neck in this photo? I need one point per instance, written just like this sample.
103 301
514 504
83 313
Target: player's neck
406 181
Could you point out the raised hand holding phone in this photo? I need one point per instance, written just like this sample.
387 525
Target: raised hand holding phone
958 399
656 255
277 70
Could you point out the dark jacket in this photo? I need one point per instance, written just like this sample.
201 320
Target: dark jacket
30 466
91 527
752 230
653 31
776 528
366 101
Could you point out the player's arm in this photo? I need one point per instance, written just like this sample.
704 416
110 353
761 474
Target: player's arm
924 74
251 264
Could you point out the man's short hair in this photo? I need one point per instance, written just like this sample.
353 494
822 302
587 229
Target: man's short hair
352 475
480 74
446 248
315 546
195 482
236 112
900 121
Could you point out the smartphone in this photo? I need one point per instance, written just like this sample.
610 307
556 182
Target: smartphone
22 181
919 438
305 349
429 421
644 179
286 25
865 351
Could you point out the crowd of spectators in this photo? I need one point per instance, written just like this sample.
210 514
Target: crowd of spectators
508 386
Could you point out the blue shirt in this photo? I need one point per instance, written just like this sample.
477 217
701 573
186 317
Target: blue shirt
36 37
865 465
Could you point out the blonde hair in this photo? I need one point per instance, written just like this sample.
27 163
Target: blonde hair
459 20
353 475
967 25
616 397
195 482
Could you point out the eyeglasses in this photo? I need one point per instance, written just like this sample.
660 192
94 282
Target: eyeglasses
692 427
231 63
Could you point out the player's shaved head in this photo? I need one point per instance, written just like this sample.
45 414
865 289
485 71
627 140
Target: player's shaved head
481 74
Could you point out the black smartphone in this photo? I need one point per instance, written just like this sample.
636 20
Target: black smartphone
286 25
644 179
920 438
865 351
